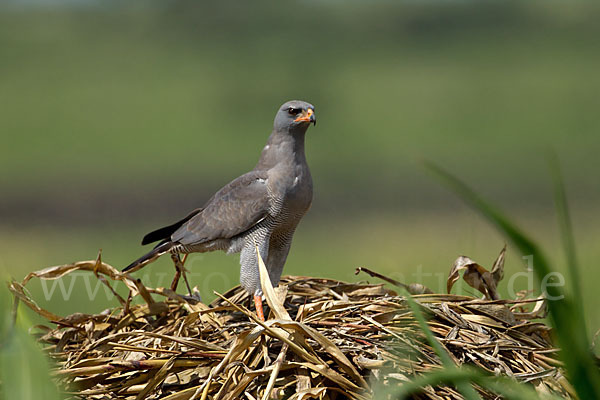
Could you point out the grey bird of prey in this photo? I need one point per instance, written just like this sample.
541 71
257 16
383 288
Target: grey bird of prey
261 208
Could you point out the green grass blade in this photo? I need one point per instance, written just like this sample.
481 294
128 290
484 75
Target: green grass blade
24 369
494 215
510 389
463 385
566 230
433 342
507 388
453 376
566 314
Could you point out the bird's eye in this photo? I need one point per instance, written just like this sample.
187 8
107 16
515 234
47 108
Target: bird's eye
294 111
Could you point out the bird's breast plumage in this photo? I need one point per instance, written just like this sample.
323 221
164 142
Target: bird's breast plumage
291 193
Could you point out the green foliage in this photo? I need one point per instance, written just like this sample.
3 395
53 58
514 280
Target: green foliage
461 382
24 370
508 388
566 313
462 377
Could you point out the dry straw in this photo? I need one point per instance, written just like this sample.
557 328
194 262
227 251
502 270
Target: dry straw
323 339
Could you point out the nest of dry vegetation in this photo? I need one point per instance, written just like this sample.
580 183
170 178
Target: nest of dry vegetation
328 340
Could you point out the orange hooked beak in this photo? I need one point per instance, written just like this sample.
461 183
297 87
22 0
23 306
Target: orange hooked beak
307 116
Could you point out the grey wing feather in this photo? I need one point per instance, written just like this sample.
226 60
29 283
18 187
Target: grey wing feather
234 209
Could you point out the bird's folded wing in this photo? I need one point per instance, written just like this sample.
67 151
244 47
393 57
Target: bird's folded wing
234 209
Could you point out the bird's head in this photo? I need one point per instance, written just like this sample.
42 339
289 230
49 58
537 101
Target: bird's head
295 115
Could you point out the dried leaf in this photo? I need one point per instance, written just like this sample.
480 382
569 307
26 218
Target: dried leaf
156 379
413 288
498 267
475 275
19 292
272 299
313 393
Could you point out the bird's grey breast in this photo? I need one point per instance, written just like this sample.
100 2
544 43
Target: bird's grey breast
292 190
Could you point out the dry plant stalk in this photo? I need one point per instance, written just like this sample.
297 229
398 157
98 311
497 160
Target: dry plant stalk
327 340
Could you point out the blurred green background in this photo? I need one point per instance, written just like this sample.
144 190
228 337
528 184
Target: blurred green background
117 119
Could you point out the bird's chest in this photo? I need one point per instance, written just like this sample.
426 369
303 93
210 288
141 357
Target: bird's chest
293 195
299 195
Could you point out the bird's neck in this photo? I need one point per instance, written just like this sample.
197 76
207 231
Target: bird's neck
283 148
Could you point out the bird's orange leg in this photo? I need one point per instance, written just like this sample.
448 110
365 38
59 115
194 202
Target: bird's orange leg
259 307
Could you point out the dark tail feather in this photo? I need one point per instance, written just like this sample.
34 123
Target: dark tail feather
149 257
167 231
